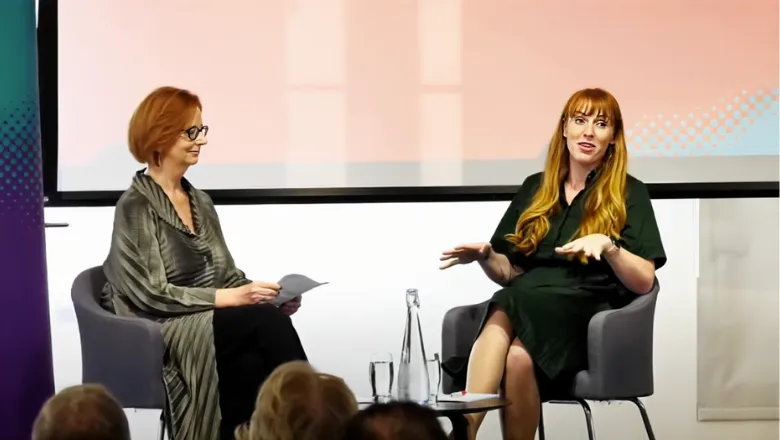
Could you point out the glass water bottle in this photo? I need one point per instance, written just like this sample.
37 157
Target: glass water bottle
413 381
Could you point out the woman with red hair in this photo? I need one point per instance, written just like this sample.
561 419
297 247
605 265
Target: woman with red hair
578 238
169 262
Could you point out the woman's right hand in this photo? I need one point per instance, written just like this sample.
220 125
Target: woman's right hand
255 292
465 254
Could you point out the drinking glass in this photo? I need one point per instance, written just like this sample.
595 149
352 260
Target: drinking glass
380 373
434 377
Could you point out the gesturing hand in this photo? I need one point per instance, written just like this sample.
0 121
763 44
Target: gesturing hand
465 254
291 306
593 245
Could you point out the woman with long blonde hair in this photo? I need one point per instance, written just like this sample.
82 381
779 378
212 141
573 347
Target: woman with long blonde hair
578 238
298 403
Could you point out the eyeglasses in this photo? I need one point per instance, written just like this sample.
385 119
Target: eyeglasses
194 131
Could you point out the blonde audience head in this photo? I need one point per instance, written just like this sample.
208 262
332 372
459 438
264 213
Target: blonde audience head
82 412
298 403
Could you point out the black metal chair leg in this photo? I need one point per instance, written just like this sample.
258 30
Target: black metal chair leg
645 417
588 418
541 422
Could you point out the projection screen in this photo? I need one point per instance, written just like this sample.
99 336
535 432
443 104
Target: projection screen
410 93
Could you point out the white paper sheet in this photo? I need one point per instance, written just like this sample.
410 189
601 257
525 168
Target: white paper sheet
466 397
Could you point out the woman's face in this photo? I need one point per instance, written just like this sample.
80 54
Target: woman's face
187 148
587 138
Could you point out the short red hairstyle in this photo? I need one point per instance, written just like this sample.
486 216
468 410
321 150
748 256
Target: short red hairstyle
158 122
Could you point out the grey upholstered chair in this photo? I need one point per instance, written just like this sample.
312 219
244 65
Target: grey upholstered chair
620 355
123 354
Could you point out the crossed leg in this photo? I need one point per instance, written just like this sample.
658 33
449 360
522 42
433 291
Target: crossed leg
497 355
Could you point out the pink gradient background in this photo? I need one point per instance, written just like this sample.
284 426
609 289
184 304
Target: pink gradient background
399 80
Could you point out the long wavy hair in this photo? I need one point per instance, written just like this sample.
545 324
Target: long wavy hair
605 206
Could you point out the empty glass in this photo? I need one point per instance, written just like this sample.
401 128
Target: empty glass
380 373
434 377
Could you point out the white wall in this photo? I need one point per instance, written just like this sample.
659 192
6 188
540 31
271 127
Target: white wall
738 310
371 254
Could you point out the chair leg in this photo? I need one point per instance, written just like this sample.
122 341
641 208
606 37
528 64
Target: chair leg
588 418
645 417
540 430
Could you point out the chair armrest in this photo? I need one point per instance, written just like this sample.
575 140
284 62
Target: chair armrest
123 354
459 328
620 352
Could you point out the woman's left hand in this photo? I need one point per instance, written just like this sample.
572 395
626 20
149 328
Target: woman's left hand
291 306
592 245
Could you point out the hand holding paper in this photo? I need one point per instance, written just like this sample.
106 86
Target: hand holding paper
291 307
293 286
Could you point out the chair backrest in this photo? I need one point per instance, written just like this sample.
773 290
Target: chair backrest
124 354
87 288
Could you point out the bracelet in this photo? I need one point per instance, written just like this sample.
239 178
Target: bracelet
614 248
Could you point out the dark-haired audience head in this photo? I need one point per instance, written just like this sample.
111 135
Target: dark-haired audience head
82 412
395 421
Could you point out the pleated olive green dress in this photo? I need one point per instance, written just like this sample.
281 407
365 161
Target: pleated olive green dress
552 302
158 269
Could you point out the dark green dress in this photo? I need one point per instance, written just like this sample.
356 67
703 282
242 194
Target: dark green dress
552 302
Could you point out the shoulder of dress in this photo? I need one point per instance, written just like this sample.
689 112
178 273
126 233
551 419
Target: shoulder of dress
530 183
132 201
528 187
632 181
636 190
533 179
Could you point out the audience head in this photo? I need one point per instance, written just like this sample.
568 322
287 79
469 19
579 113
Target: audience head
166 129
395 421
298 403
82 412
588 139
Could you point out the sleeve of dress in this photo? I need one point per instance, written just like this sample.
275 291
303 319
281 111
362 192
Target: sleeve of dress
640 235
508 221
135 266
234 277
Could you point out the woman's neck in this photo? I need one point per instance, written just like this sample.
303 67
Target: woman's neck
169 180
578 175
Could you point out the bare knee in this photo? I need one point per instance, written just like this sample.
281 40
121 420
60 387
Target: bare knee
519 363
